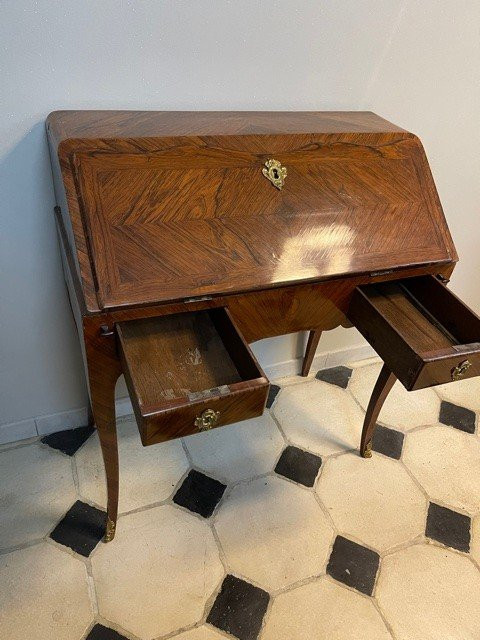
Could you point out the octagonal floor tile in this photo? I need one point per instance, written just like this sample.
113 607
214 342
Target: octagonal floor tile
446 462
319 417
147 474
158 573
237 451
273 532
402 409
464 393
374 500
427 593
323 609
36 489
44 594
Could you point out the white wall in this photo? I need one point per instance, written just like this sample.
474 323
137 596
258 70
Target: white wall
415 62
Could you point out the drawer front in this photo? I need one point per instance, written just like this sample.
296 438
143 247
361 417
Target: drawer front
448 369
187 420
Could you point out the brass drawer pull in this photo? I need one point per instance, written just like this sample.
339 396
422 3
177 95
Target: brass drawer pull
460 369
274 172
207 419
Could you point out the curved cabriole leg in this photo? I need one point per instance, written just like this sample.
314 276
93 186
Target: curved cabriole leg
382 388
107 433
103 371
312 344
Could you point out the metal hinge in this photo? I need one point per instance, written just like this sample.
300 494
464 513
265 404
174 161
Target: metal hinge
199 299
105 331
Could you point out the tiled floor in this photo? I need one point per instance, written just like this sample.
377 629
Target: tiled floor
273 528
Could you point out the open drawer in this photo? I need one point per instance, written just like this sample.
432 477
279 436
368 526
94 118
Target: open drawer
421 330
189 372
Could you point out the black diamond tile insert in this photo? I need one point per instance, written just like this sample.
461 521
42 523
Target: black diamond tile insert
335 375
353 564
70 441
82 527
239 608
199 493
388 441
299 465
99 632
458 417
448 527
272 394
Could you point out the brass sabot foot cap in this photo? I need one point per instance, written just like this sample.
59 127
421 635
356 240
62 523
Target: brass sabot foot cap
110 531
368 450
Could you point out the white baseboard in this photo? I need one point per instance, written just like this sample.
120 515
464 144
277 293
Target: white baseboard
123 407
354 354
61 421
64 420
320 361
17 431
43 425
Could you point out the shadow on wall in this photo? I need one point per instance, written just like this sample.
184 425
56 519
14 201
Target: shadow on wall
39 350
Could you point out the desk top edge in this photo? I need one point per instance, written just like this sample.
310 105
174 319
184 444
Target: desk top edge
91 125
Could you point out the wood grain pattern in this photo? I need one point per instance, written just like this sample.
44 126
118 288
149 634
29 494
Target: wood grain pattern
274 312
414 323
405 322
104 369
359 197
127 125
147 215
175 356
239 404
165 214
177 366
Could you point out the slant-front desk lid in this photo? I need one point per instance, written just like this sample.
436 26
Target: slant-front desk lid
165 206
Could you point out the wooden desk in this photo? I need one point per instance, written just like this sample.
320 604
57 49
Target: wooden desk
187 236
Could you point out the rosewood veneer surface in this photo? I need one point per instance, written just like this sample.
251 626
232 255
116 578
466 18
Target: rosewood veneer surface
168 213
166 206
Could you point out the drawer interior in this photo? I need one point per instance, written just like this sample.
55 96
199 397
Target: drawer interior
184 360
419 328
431 318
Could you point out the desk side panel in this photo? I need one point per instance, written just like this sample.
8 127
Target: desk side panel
69 226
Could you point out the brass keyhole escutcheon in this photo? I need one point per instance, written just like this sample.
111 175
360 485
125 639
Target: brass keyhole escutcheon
274 172
460 369
207 419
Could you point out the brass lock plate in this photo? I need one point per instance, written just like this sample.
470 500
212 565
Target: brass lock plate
207 419
274 172
459 371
